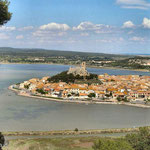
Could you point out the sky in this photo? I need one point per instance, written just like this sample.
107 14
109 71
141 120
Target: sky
104 26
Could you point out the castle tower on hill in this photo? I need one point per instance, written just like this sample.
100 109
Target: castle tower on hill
83 65
79 70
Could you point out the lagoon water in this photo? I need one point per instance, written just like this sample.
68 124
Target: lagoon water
19 113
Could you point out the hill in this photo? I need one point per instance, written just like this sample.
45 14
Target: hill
18 55
70 78
48 53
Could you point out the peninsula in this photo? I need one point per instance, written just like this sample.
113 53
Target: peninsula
78 85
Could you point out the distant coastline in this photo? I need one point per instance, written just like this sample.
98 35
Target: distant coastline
76 101
93 60
88 66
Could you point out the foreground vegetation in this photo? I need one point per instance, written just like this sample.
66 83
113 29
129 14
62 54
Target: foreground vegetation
5 15
86 143
132 141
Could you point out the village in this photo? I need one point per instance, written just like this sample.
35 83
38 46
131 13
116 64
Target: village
113 88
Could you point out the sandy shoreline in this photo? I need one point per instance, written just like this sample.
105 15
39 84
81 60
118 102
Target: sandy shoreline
76 101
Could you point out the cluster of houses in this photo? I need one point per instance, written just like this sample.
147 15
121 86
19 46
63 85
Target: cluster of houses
131 87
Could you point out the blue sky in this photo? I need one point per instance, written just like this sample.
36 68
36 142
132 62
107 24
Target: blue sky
108 26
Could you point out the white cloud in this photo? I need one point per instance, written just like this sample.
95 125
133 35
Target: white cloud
61 33
26 28
4 28
146 23
84 34
19 37
55 27
45 34
134 4
51 30
135 7
104 41
90 26
95 28
3 36
84 26
110 40
137 38
128 24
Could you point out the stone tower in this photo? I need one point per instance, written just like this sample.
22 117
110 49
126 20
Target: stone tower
83 65
79 70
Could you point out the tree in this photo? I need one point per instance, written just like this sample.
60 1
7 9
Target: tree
26 86
41 91
5 15
2 141
140 140
119 98
91 95
125 99
70 78
76 129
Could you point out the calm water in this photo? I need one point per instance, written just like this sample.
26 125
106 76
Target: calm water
24 114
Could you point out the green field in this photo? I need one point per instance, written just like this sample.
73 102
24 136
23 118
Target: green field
52 144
